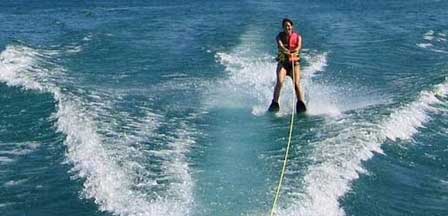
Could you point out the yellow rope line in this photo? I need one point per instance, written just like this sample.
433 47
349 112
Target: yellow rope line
285 161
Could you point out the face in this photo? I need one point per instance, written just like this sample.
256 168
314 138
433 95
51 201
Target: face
288 27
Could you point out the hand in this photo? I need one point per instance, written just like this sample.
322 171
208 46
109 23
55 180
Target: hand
294 58
286 52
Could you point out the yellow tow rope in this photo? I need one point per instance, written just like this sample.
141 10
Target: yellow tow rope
285 161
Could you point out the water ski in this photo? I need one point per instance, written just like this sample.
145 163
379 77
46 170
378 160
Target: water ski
300 107
275 107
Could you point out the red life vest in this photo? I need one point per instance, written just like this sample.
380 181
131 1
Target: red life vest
293 41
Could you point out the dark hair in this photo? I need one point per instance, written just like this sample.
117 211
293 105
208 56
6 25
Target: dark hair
285 20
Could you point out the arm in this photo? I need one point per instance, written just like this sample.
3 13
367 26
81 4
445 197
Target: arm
280 45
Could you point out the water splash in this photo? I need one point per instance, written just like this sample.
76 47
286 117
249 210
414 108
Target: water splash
110 182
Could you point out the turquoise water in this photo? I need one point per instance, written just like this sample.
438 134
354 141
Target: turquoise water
111 108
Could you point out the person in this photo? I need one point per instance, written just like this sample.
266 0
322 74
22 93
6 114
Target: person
289 45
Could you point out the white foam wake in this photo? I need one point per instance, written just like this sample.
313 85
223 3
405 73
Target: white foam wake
109 182
338 159
251 80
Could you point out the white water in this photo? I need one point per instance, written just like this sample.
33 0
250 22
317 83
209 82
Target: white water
108 180
338 159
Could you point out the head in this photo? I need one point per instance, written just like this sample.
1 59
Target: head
287 25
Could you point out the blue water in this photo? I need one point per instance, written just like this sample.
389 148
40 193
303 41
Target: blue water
111 108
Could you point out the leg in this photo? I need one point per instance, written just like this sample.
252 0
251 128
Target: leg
300 106
281 76
297 86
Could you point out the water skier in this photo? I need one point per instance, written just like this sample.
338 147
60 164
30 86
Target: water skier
289 45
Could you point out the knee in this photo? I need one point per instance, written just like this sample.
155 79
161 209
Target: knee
279 83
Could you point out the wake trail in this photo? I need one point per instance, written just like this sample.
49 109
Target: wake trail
115 173
337 160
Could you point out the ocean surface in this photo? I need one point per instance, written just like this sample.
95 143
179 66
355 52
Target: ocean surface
159 108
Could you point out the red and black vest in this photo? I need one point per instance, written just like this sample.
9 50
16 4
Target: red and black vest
291 42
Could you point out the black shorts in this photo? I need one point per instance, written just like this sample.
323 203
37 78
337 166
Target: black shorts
288 67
